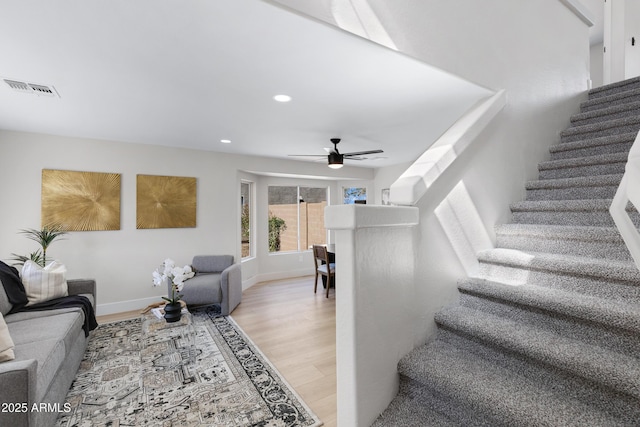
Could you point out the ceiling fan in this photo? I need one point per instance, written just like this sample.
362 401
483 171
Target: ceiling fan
336 158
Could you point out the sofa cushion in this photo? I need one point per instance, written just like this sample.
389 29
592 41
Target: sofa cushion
48 340
12 293
202 289
44 283
50 354
32 314
211 263
6 343
60 326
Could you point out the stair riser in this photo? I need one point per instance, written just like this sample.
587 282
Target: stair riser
573 193
594 106
551 244
592 151
614 90
597 219
587 285
567 326
589 170
618 130
605 117
547 376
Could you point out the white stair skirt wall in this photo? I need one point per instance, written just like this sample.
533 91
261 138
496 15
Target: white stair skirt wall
375 251
629 191
415 182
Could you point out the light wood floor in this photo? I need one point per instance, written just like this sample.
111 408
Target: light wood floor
296 330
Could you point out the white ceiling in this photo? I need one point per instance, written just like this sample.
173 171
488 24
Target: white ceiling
192 72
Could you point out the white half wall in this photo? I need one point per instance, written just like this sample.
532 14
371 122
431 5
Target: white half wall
375 310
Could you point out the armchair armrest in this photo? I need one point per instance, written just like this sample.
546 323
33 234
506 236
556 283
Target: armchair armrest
20 380
231 285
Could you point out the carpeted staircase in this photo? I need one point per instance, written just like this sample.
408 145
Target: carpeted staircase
548 334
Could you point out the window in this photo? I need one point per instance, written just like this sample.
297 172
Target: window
245 219
296 218
353 195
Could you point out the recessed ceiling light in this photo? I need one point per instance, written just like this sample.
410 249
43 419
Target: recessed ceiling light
282 98
225 141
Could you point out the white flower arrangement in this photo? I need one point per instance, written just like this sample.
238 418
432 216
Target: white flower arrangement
177 276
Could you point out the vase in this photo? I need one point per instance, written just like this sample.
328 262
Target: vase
172 312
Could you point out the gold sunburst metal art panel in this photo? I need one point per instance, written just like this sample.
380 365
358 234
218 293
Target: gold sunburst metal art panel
80 201
165 202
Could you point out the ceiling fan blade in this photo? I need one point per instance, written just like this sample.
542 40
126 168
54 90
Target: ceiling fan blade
362 153
307 155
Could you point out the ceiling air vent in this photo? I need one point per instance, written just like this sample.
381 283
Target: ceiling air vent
32 88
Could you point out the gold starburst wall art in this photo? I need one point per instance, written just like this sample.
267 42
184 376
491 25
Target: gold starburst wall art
80 201
165 202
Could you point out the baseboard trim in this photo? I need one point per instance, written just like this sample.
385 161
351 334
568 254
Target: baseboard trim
122 306
279 275
139 304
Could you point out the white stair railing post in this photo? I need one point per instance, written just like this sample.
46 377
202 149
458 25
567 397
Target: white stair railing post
629 191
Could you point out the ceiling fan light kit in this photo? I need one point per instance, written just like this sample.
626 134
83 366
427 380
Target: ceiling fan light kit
335 160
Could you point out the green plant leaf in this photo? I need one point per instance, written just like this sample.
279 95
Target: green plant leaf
44 237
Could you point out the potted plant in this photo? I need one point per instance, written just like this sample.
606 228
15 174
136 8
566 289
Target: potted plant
176 276
44 237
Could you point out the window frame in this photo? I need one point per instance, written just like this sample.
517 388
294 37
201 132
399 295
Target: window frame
298 217
251 220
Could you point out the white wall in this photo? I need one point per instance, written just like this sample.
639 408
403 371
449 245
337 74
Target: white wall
497 44
631 31
122 261
597 65
614 43
386 176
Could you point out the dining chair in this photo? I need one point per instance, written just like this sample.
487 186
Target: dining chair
323 266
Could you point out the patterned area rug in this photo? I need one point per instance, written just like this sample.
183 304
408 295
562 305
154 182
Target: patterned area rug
127 380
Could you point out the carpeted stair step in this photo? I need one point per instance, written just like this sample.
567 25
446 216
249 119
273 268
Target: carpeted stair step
592 147
604 114
603 367
413 406
618 98
609 279
614 88
494 392
595 242
611 325
594 212
584 187
596 130
603 164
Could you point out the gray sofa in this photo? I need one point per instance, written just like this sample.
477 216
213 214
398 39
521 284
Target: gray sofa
217 281
49 346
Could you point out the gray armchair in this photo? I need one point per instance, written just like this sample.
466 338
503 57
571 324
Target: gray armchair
217 281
